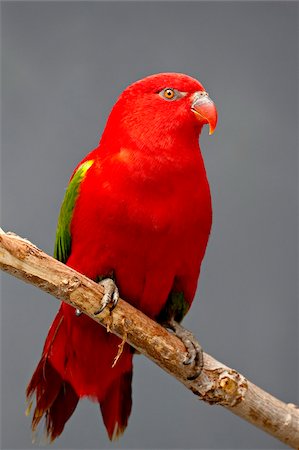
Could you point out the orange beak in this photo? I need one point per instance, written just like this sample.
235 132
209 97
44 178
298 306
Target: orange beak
204 109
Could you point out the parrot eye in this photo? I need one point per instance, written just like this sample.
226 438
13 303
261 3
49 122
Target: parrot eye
170 94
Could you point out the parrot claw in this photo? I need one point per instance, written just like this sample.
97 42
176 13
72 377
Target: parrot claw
78 312
194 349
111 295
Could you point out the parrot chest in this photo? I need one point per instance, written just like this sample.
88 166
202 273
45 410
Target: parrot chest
144 230
144 207
159 204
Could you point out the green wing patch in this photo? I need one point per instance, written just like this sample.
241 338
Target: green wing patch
176 308
63 239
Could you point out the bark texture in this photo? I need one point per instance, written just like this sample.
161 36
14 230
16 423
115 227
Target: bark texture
218 384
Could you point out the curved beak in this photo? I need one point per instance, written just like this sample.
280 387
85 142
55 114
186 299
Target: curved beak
204 109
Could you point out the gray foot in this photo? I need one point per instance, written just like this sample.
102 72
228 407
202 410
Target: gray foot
111 295
194 349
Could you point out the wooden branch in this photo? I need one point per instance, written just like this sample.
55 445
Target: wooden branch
218 384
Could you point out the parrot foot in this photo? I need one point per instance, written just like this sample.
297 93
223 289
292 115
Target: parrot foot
78 312
193 347
111 295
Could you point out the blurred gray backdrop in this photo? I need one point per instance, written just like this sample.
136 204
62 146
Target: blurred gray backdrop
63 66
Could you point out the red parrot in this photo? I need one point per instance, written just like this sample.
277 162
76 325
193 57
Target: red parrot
137 215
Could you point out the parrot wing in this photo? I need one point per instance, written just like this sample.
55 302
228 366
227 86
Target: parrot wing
176 307
63 239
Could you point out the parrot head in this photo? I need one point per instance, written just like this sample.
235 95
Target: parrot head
163 107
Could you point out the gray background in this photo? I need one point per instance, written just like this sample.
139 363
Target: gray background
63 66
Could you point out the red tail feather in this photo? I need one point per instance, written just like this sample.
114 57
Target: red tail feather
116 406
63 375
55 398
61 410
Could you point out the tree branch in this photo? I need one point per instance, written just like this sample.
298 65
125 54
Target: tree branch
218 384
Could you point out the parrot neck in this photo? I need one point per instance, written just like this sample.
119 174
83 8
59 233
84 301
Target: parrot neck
151 139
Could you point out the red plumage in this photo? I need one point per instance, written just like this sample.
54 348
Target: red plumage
143 213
